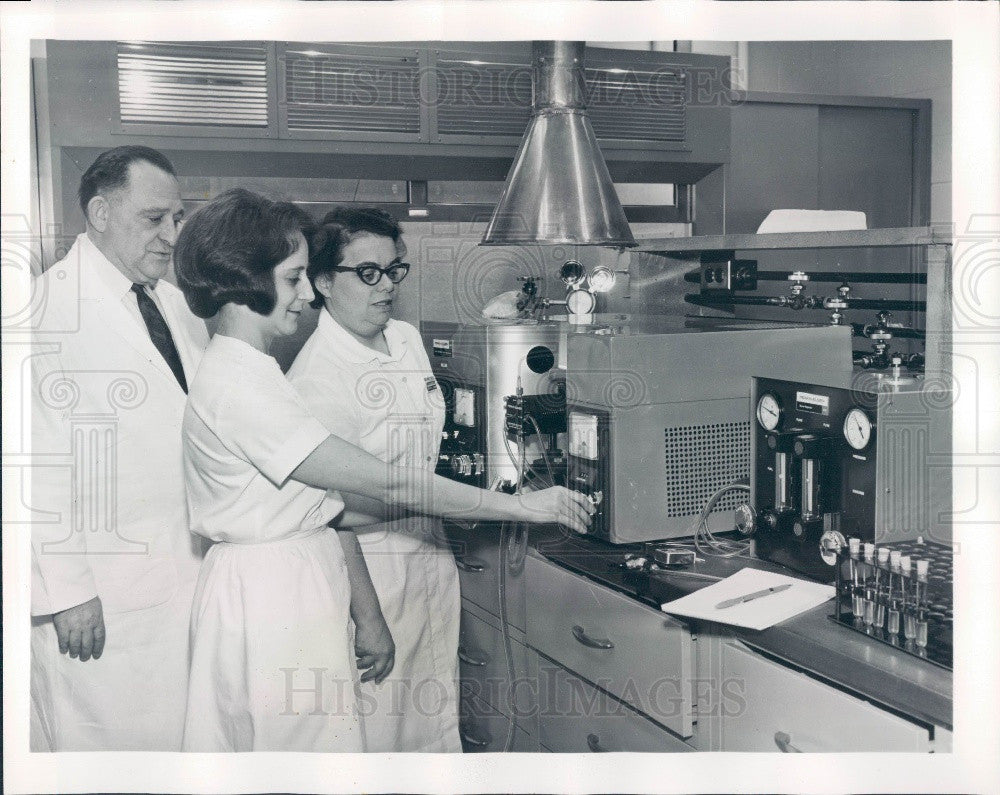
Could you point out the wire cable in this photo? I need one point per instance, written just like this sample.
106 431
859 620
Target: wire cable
705 541
545 457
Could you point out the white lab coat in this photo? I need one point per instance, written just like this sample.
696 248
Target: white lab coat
272 660
108 496
392 407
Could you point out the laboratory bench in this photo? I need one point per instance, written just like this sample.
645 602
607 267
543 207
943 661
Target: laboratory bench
599 667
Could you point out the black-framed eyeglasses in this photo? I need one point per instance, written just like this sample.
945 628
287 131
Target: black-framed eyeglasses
371 274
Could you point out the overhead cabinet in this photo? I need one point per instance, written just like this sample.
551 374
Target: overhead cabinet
461 100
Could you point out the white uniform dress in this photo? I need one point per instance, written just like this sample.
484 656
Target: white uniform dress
272 662
391 406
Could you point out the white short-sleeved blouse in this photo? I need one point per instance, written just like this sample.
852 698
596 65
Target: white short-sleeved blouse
245 431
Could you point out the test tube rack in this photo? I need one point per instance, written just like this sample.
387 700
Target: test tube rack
938 603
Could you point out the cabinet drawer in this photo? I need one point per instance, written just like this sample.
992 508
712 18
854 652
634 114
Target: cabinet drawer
770 707
477 557
484 668
575 717
641 656
484 730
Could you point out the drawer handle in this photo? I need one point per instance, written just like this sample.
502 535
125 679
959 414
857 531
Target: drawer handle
476 742
463 655
784 743
466 564
593 643
594 744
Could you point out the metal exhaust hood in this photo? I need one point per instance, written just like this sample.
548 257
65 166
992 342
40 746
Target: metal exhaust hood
558 190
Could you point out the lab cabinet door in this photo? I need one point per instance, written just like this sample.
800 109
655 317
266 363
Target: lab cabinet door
484 672
634 652
576 717
774 708
484 730
477 555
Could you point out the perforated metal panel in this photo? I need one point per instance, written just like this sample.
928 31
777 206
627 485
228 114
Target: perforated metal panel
175 83
334 91
637 104
701 459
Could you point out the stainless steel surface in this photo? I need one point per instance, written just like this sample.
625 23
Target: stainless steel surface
493 357
559 190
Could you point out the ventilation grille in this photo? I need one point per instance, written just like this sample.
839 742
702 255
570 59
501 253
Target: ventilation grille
173 83
700 460
345 92
636 104
483 98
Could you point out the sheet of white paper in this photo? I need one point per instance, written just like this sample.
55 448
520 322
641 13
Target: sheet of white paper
760 613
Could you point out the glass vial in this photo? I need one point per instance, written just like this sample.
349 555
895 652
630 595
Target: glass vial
871 585
921 615
895 606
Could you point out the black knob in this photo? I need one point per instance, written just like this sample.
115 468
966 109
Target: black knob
780 442
775 522
811 445
803 529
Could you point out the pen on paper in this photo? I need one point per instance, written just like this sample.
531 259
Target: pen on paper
751 596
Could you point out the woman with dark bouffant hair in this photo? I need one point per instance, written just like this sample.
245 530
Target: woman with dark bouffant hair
280 599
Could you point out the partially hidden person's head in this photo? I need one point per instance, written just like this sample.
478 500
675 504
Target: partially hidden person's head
355 262
132 204
246 250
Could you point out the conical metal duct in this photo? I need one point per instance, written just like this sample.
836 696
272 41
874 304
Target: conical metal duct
559 189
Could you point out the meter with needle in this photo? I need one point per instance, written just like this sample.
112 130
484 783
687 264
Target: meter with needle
857 429
768 412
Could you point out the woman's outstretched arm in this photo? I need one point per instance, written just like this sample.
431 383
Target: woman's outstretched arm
341 466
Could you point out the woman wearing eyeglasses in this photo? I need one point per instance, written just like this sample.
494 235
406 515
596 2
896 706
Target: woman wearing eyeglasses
367 378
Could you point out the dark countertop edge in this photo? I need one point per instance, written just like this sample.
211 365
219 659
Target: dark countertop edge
810 641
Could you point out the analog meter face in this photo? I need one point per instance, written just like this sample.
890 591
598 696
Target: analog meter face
580 302
857 429
768 412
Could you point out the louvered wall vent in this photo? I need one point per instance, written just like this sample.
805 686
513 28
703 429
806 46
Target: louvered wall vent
335 91
493 98
637 104
476 98
179 83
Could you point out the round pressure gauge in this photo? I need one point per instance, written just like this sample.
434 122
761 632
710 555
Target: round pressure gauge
857 429
768 412
580 302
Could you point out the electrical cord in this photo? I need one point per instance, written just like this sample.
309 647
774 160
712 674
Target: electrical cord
519 466
705 541
545 457
503 561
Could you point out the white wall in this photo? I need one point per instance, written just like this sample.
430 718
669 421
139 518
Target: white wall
912 69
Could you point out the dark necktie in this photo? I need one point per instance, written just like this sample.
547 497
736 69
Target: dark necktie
159 333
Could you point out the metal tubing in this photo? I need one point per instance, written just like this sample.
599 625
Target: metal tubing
832 276
852 303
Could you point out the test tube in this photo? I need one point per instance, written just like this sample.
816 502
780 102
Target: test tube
871 585
909 600
895 592
856 587
882 587
921 615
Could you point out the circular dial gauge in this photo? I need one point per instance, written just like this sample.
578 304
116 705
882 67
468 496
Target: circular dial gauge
857 429
580 302
768 412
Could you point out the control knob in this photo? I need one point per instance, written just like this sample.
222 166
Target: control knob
830 545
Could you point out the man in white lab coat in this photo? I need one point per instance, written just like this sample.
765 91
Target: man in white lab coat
113 562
